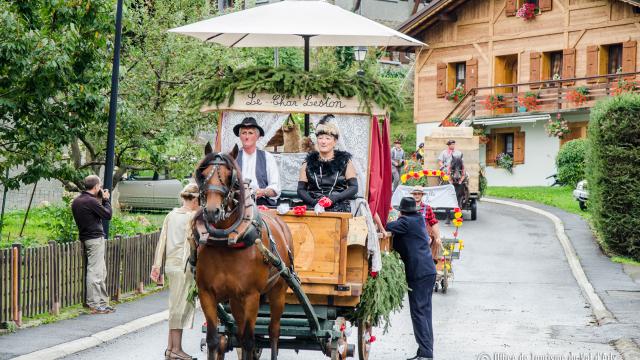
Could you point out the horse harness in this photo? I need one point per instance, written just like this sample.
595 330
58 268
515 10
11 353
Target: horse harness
245 230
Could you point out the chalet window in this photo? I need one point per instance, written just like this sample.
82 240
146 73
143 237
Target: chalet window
512 6
460 73
555 64
449 75
614 58
505 140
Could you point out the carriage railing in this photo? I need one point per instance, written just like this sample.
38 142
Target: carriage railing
548 96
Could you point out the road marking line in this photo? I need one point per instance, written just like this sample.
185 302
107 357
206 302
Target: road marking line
71 347
600 311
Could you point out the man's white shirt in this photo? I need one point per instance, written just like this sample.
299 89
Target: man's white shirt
249 171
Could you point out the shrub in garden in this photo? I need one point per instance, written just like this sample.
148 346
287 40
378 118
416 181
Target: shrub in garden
613 173
570 162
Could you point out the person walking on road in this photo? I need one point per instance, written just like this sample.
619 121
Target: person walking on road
411 241
89 209
397 162
172 246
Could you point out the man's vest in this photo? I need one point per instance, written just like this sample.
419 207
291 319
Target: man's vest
261 170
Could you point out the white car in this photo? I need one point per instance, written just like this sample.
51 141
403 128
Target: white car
581 194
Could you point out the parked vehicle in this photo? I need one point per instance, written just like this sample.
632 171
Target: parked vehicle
149 192
581 194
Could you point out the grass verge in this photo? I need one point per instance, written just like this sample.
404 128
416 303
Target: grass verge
559 197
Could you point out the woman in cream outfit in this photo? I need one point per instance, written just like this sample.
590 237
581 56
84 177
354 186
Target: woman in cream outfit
172 243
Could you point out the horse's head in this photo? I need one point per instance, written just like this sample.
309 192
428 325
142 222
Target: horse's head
220 183
456 167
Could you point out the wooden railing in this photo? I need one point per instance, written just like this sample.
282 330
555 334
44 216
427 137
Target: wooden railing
551 96
43 279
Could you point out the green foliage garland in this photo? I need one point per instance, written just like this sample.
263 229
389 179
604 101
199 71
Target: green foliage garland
384 294
613 173
295 82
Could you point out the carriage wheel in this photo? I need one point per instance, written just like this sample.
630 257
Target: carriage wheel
474 209
363 347
445 282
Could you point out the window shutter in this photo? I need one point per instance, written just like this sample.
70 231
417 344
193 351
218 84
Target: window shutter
518 147
544 5
441 80
492 147
629 49
592 62
471 74
511 7
534 69
568 65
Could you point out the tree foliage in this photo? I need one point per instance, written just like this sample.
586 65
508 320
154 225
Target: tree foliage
52 82
613 173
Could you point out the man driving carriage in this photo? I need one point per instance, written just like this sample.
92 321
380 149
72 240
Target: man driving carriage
445 157
257 165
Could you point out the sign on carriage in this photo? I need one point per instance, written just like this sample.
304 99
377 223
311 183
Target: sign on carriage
309 104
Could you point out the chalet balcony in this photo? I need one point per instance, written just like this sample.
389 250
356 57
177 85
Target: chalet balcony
525 100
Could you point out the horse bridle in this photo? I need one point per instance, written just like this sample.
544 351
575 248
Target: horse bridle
228 194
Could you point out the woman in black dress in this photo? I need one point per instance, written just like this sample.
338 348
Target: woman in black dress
327 177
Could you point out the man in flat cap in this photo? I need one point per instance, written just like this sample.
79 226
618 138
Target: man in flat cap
444 160
259 166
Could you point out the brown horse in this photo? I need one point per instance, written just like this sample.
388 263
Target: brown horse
229 266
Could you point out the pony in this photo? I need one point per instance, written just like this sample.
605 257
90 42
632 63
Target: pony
228 266
458 177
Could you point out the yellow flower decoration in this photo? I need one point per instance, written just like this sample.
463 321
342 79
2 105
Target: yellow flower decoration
461 244
448 266
411 173
445 178
446 253
458 215
457 222
403 178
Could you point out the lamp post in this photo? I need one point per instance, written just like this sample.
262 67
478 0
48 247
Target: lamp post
113 110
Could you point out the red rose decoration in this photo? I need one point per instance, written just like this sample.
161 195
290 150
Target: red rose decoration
263 208
299 210
372 338
343 327
325 202
416 176
425 172
456 210
374 274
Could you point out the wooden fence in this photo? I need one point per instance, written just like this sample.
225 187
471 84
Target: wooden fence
43 279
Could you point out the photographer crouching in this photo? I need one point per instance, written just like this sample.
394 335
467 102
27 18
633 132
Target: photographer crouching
89 209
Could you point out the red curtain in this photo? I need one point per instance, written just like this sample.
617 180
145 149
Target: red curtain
384 202
375 170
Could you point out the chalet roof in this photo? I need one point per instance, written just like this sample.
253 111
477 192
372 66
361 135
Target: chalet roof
438 10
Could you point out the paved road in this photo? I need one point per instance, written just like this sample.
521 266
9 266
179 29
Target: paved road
512 292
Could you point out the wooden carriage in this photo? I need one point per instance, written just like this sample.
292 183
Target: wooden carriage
332 273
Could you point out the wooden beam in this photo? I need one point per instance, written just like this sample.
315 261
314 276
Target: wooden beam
482 54
423 62
560 5
495 18
579 38
637 25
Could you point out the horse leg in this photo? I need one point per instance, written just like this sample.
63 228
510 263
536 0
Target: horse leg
276 303
209 306
245 312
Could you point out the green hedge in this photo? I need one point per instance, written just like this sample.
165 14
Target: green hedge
613 172
571 161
